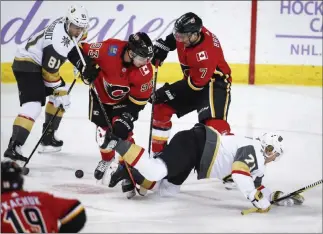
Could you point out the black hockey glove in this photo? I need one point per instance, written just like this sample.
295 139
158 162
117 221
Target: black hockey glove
163 94
90 72
160 52
123 125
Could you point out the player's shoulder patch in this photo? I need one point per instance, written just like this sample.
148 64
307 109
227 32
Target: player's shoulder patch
61 41
113 50
202 55
145 70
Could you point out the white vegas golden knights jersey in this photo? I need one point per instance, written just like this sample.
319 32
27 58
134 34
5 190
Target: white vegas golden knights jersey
49 49
234 156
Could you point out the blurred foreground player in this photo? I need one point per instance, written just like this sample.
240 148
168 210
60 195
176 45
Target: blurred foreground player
124 85
37 212
213 156
205 87
36 69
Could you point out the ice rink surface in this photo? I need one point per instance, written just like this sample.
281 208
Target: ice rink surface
202 206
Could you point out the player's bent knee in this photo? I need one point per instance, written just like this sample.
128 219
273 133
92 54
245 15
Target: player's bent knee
30 109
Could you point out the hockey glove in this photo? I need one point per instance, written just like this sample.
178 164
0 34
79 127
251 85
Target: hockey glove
90 72
259 201
160 52
297 199
123 125
108 141
163 94
61 97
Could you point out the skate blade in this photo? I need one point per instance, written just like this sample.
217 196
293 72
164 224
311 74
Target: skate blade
49 149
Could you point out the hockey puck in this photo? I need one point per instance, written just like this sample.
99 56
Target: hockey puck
25 170
79 174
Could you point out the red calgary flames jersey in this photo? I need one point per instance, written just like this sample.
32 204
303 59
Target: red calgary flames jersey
26 212
115 81
199 63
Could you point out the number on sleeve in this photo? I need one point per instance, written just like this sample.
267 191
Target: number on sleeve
53 61
250 161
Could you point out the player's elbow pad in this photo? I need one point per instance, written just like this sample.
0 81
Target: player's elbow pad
75 224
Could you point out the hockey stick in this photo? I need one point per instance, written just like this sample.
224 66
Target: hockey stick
104 112
152 107
253 210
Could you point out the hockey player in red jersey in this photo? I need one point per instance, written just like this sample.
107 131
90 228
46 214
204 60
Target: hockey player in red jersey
124 85
35 212
206 83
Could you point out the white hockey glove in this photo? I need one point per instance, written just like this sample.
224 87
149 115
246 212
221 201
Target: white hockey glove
297 199
259 201
61 97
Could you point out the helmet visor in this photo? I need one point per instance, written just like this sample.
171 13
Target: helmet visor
181 37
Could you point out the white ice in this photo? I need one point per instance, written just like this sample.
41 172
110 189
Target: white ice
202 206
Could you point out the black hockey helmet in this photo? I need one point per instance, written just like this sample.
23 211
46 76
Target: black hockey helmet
11 176
188 23
141 45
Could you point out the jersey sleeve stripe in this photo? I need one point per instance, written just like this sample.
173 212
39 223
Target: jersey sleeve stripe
74 212
192 86
138 102
240 168
50 77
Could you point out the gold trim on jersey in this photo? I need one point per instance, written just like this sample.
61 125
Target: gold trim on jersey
51 109
147 184
138 102
192 86
24 122
226 100
240 166
157 138
133 154
211 97
50 77
216 150
72 214
25 60
105 151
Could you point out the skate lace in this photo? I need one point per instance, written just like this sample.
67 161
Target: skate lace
103 165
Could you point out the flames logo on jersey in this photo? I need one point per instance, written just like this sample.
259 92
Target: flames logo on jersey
115 92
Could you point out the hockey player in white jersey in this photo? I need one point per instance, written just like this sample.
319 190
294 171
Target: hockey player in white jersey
213 156
36 69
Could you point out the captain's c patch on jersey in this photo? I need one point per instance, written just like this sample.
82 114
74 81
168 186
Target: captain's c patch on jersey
112 51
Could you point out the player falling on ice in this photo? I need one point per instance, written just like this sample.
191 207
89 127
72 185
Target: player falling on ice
36 69
206 83
212 155
124 86
35 212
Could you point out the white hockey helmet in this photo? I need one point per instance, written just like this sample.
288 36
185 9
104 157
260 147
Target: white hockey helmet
78 16
272 142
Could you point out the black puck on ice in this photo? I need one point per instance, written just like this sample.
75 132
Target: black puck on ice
79 173
25 170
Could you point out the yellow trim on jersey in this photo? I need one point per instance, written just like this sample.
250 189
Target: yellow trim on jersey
24 123
26 60
216 150
137 102
147 184
50 77
211 98
72 214
192 86
226 101
240 166
157 138
105 151
51 109
132 154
